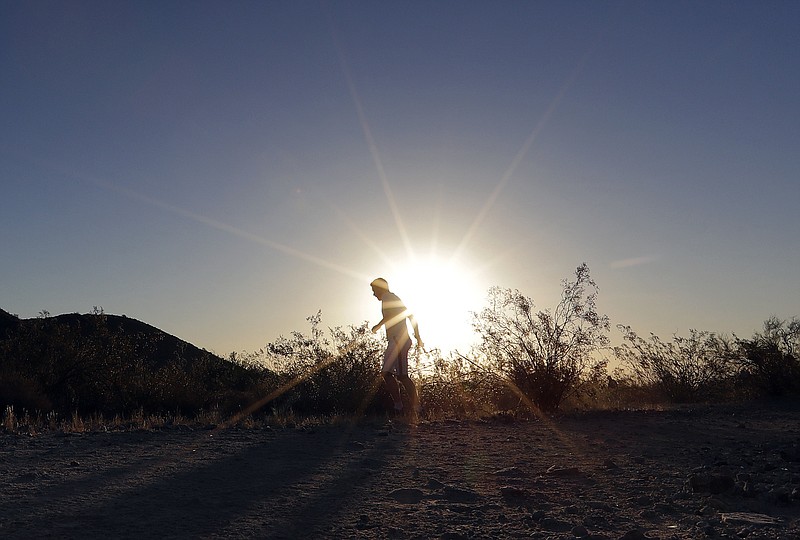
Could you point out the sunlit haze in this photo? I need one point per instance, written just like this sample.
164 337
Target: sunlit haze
223 170
441 293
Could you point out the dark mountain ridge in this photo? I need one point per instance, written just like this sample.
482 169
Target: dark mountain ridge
7 320
108 363
166 346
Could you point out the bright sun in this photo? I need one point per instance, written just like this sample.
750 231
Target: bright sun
441 294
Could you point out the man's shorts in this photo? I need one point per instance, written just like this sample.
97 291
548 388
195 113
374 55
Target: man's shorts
395 360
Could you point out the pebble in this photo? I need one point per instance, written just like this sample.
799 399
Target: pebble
513 492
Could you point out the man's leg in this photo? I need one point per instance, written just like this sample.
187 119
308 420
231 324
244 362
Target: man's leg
394 390
390 359
411 390
402 375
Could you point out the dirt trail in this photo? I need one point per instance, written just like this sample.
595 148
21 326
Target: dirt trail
705 472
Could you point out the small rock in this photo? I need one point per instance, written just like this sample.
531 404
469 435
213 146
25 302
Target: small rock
711 483
395 532
563 471
454 536
508 471
718 505
513 492
363 522
702 511
791 454
407 495
635 534
708 529
433 483
460 495
780 495
664 508
461 508
747 489
743 477
580 531
26 477
748 518
649 514
556 525
538 515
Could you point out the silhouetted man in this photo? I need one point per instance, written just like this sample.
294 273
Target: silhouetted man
395 360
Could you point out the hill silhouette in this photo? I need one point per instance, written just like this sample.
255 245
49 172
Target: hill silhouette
7 320
110 364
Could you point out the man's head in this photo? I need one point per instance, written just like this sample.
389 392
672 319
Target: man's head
379 287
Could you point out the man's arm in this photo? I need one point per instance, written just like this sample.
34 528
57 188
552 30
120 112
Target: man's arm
378 326
415 326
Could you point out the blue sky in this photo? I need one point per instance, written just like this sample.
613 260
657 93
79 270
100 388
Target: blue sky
223 170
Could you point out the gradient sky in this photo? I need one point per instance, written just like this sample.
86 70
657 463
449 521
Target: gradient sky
222 170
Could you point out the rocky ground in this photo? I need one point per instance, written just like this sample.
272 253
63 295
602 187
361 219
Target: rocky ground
690 472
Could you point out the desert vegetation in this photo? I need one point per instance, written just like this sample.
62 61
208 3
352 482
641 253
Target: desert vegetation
543 355
74 370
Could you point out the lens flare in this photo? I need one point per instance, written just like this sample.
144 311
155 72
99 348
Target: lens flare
441 293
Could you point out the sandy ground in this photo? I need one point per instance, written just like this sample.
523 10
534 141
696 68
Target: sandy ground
704 472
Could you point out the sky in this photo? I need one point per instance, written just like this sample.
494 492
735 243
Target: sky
224 170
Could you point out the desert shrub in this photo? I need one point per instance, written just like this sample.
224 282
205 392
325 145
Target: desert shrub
452 387
21 392
321 373
768 363
617 390
543 354
687 369
51 360
595 390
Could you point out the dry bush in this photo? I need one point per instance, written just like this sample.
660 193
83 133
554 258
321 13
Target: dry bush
321 373
619 390
454 388
687 369
768 363
543 354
